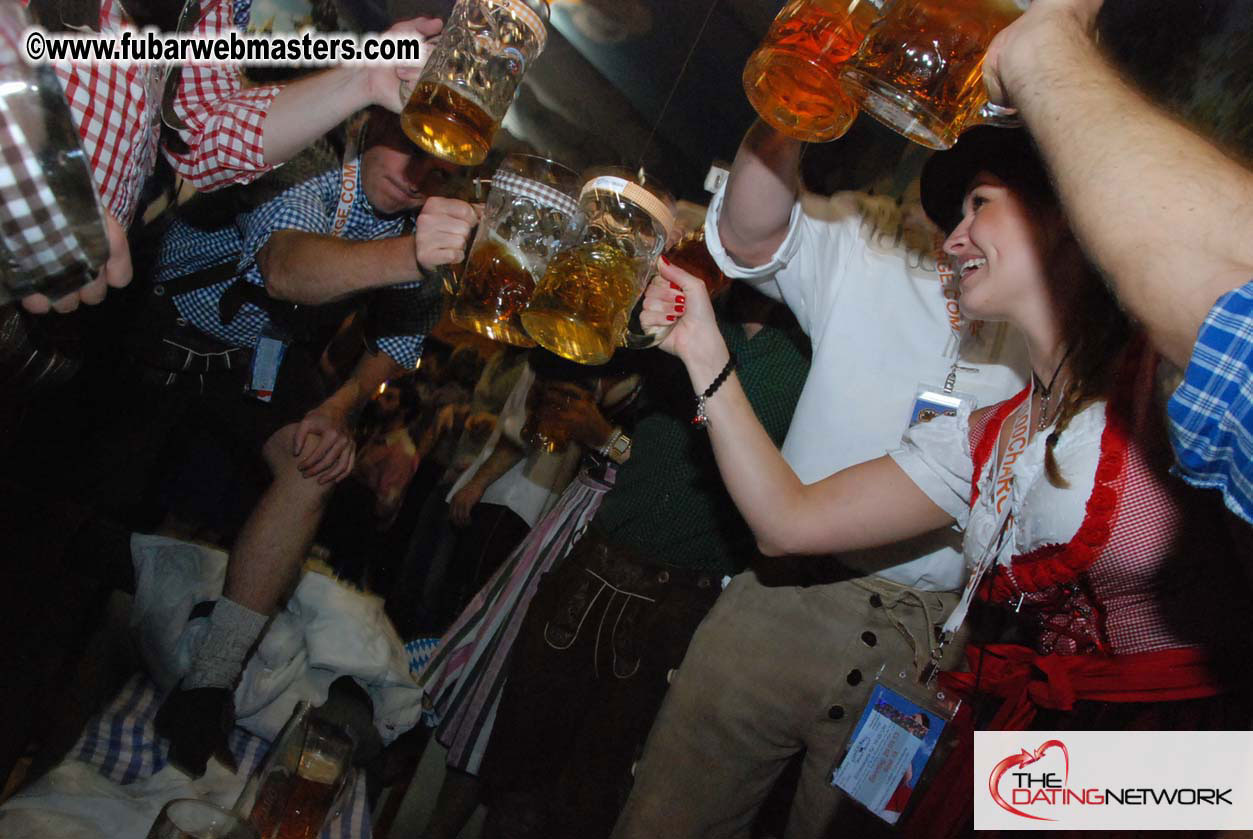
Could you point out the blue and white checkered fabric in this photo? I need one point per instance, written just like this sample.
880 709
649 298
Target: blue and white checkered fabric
121 743
309 207
1211 413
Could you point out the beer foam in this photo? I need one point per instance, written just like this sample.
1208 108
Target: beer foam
318 768
512 250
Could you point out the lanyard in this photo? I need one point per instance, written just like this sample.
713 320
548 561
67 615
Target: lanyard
349 177
1019 423
959 327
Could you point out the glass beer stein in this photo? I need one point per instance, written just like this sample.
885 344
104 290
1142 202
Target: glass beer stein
299 787
920 69
532 212
52 237
470 79
792 78
582 305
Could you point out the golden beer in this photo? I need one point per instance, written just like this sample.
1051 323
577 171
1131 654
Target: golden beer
579 309
792 78
448 124
470 79
920 69
495 288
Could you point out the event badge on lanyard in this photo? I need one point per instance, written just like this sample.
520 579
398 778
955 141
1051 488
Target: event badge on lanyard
890 756
272 345
930 400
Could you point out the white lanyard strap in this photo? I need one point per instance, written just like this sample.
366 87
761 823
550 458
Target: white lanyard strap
349 178
1019 423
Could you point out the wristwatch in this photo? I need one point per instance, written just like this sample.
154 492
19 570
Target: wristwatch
617 448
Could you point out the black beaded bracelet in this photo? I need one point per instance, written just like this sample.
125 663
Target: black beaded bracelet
700 420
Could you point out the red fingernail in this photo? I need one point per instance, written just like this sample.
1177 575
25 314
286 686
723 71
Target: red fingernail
663 259
669 317
679 309
676 286
679 298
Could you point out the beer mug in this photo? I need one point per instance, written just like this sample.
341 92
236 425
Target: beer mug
920 69
581 307
470 79
532 213
52 237
792 78
300 786
191 818
547 400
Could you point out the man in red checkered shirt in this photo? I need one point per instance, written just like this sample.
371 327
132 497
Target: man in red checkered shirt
228 133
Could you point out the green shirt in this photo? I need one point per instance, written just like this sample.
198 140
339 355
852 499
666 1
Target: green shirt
669 504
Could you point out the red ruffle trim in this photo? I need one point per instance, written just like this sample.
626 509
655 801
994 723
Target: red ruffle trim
1050 565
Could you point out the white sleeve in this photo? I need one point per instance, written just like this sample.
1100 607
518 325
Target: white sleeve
810 261
936 456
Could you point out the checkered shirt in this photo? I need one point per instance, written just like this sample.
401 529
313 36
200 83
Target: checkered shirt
1211 412
309 207
122 744
118 111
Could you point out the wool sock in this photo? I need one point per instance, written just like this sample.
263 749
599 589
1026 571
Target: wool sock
233 629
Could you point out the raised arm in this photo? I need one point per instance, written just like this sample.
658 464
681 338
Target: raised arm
1163 212
314 268
232 133
867 505
759 196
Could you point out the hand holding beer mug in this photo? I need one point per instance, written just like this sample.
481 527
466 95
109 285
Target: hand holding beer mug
920 69
470 79
558 412
581 307
792 79
532 213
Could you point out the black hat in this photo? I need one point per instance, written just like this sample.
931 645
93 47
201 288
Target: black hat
1007 153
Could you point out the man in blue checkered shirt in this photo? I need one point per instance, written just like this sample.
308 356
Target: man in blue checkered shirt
1165 214
240 294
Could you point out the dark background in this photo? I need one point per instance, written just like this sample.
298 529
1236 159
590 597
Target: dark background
602 84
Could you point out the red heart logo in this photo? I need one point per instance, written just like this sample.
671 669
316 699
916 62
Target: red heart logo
1025 758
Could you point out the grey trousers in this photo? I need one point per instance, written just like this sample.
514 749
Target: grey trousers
769 672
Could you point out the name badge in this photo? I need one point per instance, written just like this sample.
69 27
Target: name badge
267 358
931 402
890 757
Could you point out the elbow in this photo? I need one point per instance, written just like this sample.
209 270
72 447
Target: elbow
775 544
274 269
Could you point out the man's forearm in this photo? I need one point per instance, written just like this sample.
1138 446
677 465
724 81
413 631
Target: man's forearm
500 461
760 195
371 371
312 269
307 108
1161 211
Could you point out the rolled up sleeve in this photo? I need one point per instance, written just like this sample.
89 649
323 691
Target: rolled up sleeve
1211 412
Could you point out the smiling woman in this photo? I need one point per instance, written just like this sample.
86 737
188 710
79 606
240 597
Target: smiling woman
1073 526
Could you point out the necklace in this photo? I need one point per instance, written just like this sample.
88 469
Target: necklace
1046 391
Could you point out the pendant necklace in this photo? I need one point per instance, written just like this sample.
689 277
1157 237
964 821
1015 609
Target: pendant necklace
1046 391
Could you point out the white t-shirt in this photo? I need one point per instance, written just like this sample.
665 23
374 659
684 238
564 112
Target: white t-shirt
863 277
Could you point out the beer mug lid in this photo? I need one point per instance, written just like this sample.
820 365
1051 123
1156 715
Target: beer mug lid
540 193
529 17
637 194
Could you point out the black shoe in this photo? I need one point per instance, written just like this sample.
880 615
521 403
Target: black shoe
196 722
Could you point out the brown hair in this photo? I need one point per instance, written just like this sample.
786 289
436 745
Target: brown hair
1095 330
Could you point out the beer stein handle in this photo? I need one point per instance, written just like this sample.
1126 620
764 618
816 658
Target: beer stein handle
998 115
450 279
635 337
